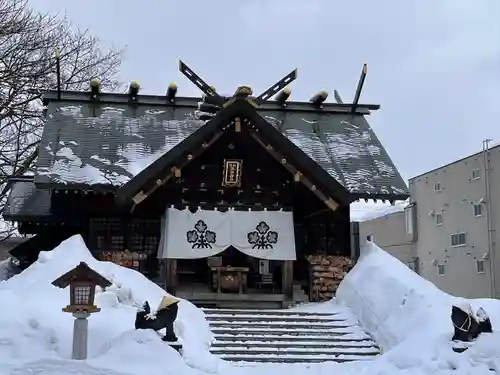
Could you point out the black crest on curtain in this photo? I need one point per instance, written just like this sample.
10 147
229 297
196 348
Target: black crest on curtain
263 237
201 237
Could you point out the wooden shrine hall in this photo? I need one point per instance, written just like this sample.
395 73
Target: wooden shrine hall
237 200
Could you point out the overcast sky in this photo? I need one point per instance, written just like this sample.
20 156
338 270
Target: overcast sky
433 65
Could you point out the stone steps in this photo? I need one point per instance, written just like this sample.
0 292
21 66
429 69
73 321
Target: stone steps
294 344
291 359
288 331
294 338
288 336
277 325
333 351
267 312
274 317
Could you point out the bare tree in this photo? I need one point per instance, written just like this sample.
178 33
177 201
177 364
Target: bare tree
28 43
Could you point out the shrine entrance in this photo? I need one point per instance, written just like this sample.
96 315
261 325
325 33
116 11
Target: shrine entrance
230 272
238 229
225 257
216 282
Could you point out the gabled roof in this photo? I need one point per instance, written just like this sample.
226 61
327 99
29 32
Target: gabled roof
241 108
91 145
81 273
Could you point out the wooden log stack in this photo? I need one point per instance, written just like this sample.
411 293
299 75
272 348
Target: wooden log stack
124 258
325 274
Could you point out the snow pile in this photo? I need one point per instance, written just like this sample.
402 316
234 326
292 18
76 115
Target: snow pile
33 328
410 319
407 315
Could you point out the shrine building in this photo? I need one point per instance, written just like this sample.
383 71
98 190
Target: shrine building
227 201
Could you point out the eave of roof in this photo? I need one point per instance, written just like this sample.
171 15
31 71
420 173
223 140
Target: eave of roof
192 102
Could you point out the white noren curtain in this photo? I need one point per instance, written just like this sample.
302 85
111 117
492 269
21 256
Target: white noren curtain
260 234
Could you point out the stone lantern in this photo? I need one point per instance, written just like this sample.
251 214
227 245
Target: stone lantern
82 281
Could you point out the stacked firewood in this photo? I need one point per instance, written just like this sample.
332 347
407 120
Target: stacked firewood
325 274
124 258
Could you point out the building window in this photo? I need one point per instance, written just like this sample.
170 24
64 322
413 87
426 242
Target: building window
458 239
438 217
438 186
369 237
478 209
440 269
476 174
409 219
480 266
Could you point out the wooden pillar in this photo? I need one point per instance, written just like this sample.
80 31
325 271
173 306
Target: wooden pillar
287 279
355 242
171 276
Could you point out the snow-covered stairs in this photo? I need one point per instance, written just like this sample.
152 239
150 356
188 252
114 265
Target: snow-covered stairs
288 336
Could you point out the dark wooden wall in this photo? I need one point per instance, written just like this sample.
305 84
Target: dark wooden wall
265 182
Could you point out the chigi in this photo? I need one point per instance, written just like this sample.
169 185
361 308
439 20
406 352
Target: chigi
236 199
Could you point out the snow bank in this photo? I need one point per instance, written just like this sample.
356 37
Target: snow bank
410 318
32 318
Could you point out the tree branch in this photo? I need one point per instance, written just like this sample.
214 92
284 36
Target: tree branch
28 41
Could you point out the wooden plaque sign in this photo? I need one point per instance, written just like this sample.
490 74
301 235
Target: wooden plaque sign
232 173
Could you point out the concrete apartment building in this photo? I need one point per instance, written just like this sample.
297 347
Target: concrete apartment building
387 229
451 227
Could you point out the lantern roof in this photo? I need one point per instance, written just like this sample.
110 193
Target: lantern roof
81 274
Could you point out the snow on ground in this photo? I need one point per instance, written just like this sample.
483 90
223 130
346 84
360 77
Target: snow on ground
410 319
33 327
408 316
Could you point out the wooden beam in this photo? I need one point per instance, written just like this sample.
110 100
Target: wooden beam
317 213
200 83
141 195
278 86
171 276
328 201
331 204
177 172
359 89
237 125
337 97
287 280
228 102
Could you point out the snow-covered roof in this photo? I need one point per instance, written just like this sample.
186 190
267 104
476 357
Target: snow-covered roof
371 211
87 143
25 200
